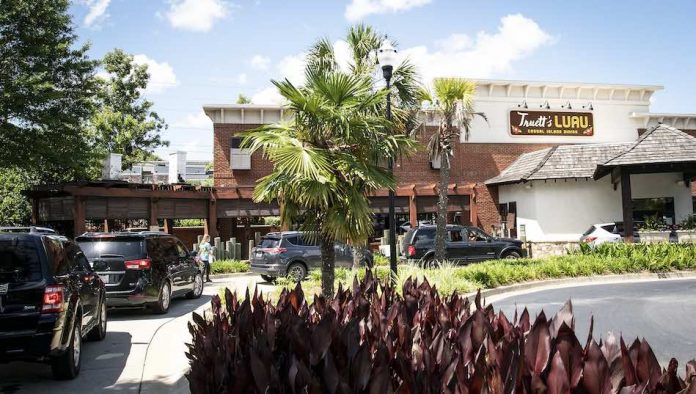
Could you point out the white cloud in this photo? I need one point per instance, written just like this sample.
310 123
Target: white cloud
162 74
293 68
260 62
269 96
358 9
198 120
483 56
196 15
96 11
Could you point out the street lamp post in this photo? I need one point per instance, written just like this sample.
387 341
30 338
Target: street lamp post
386 55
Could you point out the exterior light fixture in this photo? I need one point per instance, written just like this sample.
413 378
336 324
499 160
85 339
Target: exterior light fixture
386 56
568 106
523 105
545 105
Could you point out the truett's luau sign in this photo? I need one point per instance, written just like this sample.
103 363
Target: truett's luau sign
576 124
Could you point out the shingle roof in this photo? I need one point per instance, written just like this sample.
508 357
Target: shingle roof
661 144
565 161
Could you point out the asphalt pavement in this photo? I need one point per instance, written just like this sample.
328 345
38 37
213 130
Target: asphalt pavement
663 311
142 352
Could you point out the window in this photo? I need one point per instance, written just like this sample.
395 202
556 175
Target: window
181 249
662 207
19 261
476 235
128 247
455 235
240 159
269 243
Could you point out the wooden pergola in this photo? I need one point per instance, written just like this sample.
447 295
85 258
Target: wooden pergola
661 149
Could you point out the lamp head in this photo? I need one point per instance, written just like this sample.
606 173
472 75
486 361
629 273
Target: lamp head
386 56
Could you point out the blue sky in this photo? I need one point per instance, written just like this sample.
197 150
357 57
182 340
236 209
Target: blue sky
209 51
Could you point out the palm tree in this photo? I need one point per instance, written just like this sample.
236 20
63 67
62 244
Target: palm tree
452 99
363 42
326 159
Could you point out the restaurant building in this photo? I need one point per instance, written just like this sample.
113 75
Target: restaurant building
533 165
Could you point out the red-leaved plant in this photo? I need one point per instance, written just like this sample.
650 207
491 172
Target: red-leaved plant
370 339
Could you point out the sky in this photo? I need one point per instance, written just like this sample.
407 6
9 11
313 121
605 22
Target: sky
210 51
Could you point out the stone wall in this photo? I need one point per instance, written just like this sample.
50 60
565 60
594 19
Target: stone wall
545 249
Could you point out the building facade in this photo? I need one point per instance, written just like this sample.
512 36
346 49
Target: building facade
523 117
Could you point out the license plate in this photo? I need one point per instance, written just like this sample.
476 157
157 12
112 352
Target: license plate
105 278
4 287
259 254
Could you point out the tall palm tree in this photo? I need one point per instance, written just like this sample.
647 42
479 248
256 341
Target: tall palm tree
326 159
452 99
363 42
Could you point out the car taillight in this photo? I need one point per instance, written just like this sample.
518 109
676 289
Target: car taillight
411 250
276 250
53 299
138 264
590 239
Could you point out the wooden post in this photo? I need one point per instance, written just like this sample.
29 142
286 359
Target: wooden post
627 205
412 211
78 215
106 226
169 226
473 211
211 220
153 222
34 211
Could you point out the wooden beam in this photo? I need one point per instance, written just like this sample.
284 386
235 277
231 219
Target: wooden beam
473 209
127 192
154 213
169 226
34 211
615 176
627 205
211 220
412 211
79 224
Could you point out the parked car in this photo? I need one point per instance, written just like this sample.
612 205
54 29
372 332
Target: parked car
29 229
464 244
145 269
602 233
50 299
293 254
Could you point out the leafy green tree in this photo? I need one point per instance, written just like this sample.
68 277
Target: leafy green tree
326 159
242 99
14 207
47 88
453 100
125 122
363 42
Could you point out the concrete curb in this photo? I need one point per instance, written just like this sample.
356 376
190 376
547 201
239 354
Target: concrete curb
232 275
529 287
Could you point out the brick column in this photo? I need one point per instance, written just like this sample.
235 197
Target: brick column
473 209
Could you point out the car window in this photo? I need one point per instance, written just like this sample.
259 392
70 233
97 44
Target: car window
425 235
269 243
19 261
455 235
610 228
294 240
58 257
476 235
589 231
181 249
128 247
165 249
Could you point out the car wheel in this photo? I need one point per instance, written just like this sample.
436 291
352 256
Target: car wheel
428 262
511 255
165 298
268 278
98 333
197 287
67 365
297 272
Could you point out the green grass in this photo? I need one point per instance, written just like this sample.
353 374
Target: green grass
229 266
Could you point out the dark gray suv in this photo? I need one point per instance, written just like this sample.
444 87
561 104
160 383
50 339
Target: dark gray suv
292 254
464 244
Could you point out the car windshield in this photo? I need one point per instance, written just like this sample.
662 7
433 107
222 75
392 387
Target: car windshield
589 231
269 243
19 261
128 247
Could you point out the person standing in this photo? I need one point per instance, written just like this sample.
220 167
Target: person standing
204 251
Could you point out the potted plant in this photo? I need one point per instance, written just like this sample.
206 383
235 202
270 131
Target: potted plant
651 230
687 229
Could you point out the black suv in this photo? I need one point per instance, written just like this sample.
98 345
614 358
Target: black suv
143 269
292 254
463 244
50 299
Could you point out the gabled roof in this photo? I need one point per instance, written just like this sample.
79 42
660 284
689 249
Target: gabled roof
565 161
660 145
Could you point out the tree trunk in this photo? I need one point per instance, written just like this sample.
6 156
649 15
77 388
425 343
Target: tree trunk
328 261
441 231
357 256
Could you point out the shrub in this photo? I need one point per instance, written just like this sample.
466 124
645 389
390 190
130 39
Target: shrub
688 223
372 339
229 266
380 259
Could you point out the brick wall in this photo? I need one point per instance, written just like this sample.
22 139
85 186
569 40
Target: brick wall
472 163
